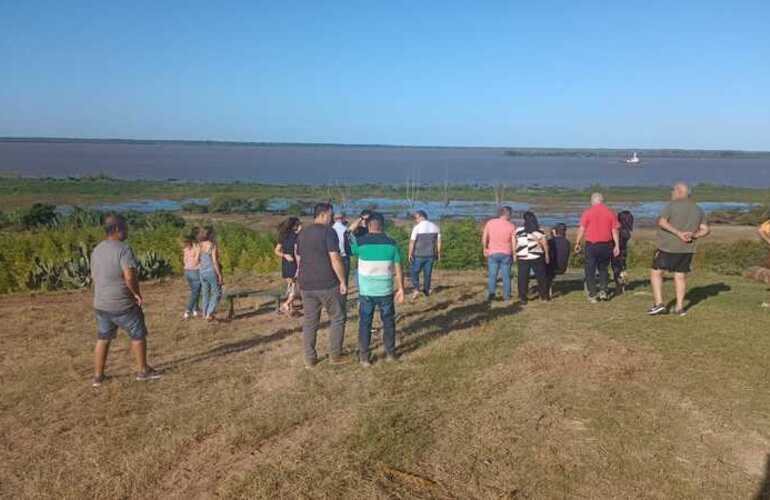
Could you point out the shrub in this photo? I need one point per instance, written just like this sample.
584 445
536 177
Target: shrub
461 245
38 215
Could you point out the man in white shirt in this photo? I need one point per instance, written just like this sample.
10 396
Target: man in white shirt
341 228
424 251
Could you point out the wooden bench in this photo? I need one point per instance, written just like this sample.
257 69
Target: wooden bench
231 296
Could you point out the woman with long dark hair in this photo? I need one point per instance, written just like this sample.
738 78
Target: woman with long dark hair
626 221
286 249
531 256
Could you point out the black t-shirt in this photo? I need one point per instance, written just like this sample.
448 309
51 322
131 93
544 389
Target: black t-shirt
314 244
287 245
559 249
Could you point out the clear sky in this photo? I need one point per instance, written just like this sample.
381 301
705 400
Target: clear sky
691 74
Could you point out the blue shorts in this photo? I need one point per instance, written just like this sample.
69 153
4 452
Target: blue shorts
131 320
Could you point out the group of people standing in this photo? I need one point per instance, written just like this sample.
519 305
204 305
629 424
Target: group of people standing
319 257
316 259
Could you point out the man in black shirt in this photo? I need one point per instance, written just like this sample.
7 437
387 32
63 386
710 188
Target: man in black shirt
322 282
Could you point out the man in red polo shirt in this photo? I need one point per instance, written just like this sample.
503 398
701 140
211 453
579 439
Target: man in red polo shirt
599 226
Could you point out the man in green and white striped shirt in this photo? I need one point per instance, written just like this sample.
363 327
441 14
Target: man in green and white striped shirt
379 262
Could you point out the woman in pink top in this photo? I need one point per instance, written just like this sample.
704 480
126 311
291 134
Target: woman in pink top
498 243
191 257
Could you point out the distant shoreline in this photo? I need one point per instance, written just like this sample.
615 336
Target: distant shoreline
504 150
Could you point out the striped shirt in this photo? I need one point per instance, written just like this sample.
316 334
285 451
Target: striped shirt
378 256
527 247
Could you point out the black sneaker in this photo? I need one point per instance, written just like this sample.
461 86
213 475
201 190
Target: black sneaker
148 374
603 295
657 309
681 312
98 381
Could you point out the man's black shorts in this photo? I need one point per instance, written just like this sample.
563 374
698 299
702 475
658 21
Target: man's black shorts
673 262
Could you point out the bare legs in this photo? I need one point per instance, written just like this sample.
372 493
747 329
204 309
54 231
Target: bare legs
656 281
680 284
138 349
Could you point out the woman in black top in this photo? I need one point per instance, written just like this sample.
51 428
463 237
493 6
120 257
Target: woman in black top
286 249
626 220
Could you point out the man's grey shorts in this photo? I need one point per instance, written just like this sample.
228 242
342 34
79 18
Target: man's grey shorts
131 320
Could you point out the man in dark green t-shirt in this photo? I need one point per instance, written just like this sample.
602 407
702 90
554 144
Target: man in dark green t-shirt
681 223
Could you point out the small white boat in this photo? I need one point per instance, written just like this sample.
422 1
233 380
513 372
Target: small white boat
633 160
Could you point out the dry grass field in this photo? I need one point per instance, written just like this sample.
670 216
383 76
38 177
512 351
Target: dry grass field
559 400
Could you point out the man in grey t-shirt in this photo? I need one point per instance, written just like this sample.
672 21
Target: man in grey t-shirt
681 223
117 299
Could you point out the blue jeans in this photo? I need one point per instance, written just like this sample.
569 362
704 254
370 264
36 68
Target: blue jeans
424 264
366 308
211 293
496 263
194 282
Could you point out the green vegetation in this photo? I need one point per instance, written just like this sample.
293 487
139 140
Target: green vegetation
250 197
43 252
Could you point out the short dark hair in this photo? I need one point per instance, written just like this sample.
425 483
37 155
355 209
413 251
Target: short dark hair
378 218
421 213
560 229
321 208
506 210
114 223
366 212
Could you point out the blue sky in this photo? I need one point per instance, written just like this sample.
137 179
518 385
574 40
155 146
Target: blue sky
692 74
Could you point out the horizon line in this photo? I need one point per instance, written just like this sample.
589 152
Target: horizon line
371 145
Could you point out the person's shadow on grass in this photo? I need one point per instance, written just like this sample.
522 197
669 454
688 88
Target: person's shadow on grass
699 294
455 319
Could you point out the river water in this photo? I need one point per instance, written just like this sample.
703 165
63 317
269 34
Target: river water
304 164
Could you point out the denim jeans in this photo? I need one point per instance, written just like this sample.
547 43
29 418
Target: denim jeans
313 301
598 256
367 306
496 263
131 320
211 293
194 282
424 264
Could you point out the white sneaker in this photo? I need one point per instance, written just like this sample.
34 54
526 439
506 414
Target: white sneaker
765 305
195 313
186 315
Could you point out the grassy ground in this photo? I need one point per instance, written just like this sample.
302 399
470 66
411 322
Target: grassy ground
559 400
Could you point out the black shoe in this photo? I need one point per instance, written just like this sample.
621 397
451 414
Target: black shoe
657 310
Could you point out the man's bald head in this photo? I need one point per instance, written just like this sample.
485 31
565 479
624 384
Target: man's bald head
681 191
